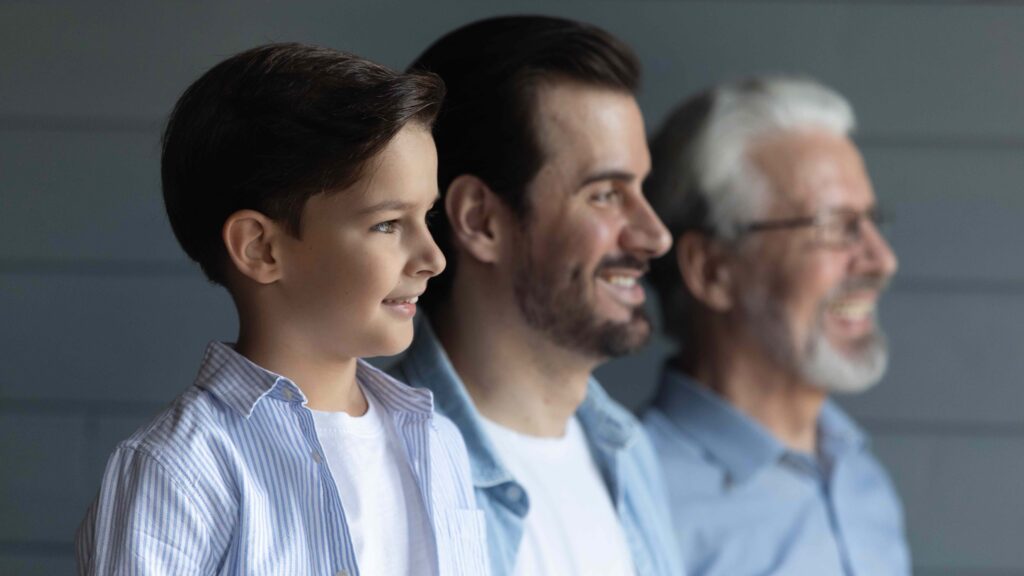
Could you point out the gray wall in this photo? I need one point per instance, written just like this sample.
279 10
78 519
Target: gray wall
102 321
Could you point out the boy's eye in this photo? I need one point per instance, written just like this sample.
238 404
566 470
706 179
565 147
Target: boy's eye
389 227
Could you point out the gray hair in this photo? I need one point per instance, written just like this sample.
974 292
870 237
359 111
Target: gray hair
702 176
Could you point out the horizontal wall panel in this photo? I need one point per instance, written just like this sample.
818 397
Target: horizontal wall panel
962 499
956 359
79 196
98 338
37 565
954 213
44 487
927 86
116 57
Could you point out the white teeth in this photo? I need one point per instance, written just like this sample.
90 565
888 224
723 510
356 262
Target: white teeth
853 310
412 300
624 281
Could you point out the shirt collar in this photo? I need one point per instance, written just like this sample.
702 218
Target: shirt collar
241 384
740 444
838 433
428 365
607 425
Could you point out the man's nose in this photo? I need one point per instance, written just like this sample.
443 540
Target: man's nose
645 233
877 255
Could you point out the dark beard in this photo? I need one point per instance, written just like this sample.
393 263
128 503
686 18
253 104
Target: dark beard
558 309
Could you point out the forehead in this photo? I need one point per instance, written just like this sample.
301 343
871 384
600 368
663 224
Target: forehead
583 128
404 172
813 170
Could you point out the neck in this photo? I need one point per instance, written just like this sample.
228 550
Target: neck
516 376
753 383
329 384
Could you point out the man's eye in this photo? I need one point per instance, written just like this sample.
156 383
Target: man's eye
604 196
389 227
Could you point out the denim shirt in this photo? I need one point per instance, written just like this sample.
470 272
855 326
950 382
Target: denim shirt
617 441
749 505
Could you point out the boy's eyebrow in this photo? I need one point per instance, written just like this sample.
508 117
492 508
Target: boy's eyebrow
396 205
385 205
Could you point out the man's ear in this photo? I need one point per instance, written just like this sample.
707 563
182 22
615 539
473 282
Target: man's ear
475 214
705 268
251 239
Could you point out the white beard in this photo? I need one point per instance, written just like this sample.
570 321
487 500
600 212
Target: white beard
832 371
817 361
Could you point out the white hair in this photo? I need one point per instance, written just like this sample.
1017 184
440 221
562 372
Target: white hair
702 175
713 159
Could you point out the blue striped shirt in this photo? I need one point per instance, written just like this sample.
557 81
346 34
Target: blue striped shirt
231 479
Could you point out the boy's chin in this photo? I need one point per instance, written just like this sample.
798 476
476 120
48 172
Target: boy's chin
391 345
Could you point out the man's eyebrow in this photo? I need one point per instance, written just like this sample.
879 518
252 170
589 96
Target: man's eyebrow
618 175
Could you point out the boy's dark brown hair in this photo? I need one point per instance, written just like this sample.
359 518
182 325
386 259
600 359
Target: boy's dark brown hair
271 127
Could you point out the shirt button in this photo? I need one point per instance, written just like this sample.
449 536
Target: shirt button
514 493
342 573
316 456
287 393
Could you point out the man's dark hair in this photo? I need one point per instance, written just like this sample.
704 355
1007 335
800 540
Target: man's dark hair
492 69
271 127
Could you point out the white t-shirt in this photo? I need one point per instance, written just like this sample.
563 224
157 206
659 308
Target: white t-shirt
572 528
383 507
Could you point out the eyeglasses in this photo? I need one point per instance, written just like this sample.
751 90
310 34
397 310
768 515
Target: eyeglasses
835 228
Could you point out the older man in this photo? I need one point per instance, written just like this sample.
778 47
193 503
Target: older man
542 152
772 291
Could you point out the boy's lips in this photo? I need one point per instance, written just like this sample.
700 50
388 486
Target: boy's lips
404 306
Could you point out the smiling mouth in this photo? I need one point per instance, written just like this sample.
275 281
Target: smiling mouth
404 307
624 287
401 301
853 310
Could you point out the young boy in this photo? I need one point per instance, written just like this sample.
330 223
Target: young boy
299 178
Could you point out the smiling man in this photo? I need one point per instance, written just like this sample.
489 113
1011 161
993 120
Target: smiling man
542 152
771 290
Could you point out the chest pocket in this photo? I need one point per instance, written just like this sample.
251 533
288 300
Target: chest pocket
461 542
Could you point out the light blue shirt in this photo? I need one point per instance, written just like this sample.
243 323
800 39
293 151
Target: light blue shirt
617 442
231 479
745 505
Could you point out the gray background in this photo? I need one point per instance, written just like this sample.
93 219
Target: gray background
102 321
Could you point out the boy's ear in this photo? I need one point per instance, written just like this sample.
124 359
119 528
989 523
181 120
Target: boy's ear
706 270
475 214
251 240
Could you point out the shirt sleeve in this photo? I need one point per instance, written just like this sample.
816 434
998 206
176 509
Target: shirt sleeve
144 521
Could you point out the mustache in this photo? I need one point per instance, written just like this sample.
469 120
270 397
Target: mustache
624 261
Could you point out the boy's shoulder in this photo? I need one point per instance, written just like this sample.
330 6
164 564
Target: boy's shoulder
191 430
199 428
